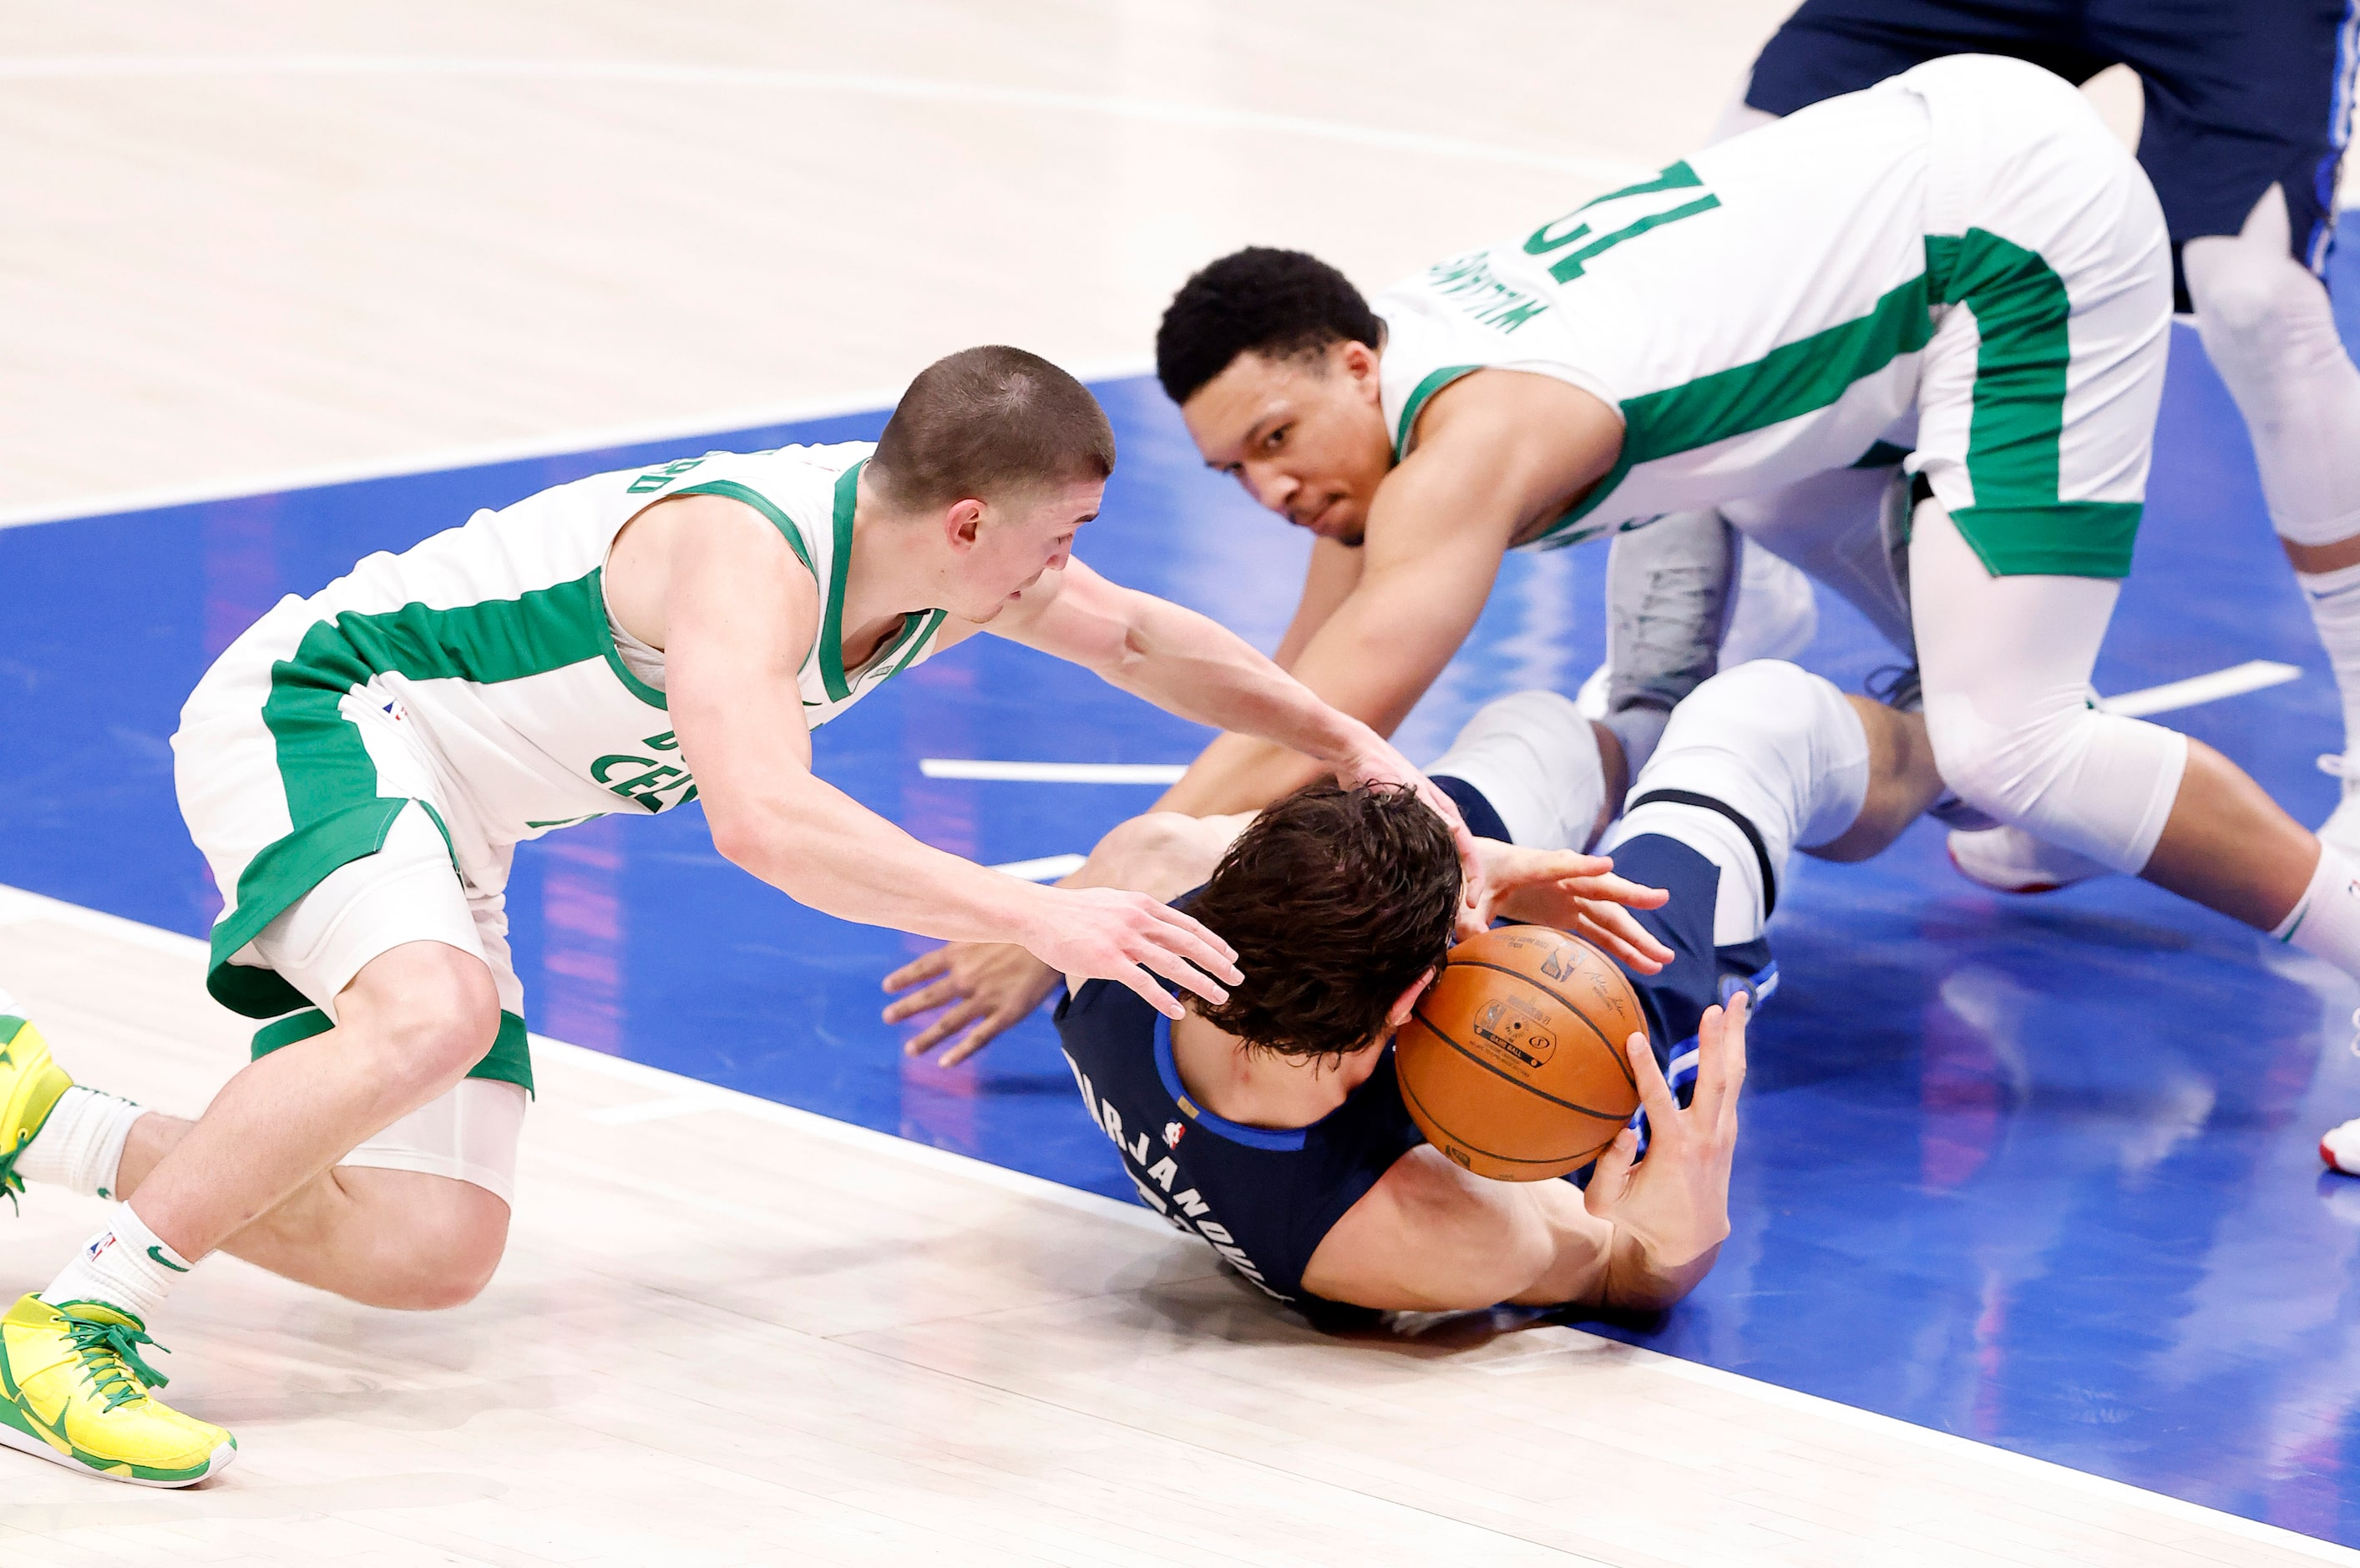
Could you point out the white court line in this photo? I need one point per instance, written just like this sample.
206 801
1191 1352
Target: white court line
1052 772
684 73
671 1088
1048 868
2254 675
557 443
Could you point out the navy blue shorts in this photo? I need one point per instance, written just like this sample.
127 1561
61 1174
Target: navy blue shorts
2241 94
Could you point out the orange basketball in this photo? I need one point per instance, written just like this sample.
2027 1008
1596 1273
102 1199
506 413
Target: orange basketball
1512 1061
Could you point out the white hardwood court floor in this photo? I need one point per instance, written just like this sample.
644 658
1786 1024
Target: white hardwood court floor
731 1333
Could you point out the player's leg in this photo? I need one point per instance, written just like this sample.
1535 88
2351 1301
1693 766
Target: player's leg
385 1235
2270 331
1685 596
1806 766
2036 404
1834 775
389 946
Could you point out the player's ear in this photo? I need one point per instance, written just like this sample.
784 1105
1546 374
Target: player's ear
1398 1014
1358 362
962 522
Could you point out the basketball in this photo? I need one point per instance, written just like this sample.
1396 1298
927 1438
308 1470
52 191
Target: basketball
1513 1063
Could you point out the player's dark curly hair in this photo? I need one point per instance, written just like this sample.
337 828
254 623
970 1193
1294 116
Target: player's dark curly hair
1276 303
1336 900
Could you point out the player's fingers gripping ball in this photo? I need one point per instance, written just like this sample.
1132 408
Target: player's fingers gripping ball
1512 1062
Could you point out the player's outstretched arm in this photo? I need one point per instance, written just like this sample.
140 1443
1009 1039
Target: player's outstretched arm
1430 1236
1498 454
739 613
1192 665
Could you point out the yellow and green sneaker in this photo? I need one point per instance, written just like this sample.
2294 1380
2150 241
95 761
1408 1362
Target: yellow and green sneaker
29 1086
76 1392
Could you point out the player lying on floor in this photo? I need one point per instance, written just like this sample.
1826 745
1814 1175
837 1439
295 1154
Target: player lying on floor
1961 260
359 766
1270 1124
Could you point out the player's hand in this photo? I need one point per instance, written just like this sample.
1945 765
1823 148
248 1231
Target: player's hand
993 985
1105 933
1574 892
1376 762
1675 1205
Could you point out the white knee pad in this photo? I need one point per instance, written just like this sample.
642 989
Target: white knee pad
1535 757
2099 784
2269 329
1779 747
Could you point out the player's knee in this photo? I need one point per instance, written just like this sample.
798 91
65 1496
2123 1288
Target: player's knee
2250 299
2001 766
440 1252
427 1011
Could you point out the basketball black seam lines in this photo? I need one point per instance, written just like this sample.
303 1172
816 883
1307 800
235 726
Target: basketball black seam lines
1559 997
1527 1088
1468 1143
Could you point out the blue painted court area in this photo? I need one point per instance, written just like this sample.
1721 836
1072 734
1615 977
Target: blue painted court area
2039 1173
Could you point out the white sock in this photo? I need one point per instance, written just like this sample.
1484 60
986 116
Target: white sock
80 1146
2325 922
1534 757
126 1265
2334 600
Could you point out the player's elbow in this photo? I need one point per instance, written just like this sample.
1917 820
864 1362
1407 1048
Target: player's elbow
1134 851
742 832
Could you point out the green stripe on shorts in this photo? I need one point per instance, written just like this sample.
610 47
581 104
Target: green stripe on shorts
508 1062
2019 526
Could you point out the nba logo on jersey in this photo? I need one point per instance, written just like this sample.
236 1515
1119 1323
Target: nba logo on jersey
1172 1131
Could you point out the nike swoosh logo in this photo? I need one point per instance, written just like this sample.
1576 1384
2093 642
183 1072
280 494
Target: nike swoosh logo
158 1256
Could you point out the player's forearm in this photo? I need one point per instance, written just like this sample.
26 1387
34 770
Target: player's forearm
1189 665
829 852
1237 773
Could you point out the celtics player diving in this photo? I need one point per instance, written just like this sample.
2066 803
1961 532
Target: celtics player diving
1961 262
360 765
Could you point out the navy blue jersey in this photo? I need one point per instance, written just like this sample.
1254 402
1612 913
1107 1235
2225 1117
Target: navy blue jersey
2241 94
1263 1198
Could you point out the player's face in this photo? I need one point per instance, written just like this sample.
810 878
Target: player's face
1018 540
1305 435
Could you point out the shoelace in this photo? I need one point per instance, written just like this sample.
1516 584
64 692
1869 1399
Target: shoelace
110 1359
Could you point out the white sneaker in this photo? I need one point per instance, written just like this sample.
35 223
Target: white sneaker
2340 1147
2010 860
2341 827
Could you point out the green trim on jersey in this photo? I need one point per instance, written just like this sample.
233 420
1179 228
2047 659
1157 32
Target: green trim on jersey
1415 403
325 767
508 1062
786 525
1789 381
2019 526
839 567
830 644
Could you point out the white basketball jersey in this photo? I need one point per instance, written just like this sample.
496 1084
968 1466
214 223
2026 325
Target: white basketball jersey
1756 312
